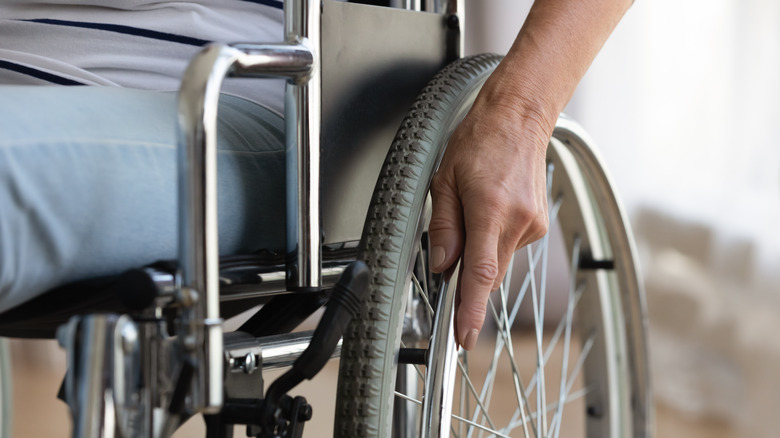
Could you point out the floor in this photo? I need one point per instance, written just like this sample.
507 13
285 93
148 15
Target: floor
38 367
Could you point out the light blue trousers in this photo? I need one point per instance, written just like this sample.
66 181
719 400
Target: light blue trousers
88 183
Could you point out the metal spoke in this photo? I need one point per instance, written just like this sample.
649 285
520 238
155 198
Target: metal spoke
556 336
422 294
550 170
504 333
506 322
540 393
520 392
464 399
423 267
470 384
558 418
541 362
569 319
456 417
489 379
505 330
577 295
487 388
526 282
553 344
572 398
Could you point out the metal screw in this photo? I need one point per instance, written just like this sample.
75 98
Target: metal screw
250 363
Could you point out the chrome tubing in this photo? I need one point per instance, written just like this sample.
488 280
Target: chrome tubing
275 352
442 363
274 283
268 284
409 5
447 7
302 124
87 341
457 8
291 59
198 293
406 415
280 351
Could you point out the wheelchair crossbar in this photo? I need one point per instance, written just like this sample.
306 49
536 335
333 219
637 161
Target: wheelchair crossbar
245 356
263 284
280 351
273 283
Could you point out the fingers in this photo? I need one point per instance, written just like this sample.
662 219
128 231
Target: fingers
480 270
495 227
446 228
489 199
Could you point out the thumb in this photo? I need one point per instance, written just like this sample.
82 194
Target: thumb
446 228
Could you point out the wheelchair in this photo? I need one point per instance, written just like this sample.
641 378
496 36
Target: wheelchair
146 355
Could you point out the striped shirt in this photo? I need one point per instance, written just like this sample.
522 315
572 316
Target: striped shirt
142 44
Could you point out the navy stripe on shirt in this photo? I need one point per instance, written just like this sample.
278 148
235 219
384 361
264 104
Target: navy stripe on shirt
272 3
39 74
127 30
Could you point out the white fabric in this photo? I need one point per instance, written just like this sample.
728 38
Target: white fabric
61 43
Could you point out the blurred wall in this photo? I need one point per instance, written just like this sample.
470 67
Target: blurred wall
491 25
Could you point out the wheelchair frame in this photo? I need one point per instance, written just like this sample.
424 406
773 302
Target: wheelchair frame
198 353
298 60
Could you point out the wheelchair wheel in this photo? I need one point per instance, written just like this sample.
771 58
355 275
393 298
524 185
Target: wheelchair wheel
579 372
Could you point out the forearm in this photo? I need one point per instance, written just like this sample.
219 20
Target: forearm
489 194
554 48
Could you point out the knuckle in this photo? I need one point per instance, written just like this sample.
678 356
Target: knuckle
485 271
532 235
439 184
524 216
540 227
534 220
440 224
474 311
490 210
533 228
495 204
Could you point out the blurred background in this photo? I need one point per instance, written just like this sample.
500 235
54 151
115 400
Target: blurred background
683 103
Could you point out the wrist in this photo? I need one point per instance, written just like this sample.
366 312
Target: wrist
529 111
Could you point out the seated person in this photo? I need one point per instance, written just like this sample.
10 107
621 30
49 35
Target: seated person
87 175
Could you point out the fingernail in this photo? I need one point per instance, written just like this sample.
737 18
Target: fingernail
471 339
437 256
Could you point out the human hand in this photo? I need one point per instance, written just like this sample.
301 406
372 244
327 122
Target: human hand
489 196
489 200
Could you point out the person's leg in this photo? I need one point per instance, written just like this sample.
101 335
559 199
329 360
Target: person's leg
88 183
